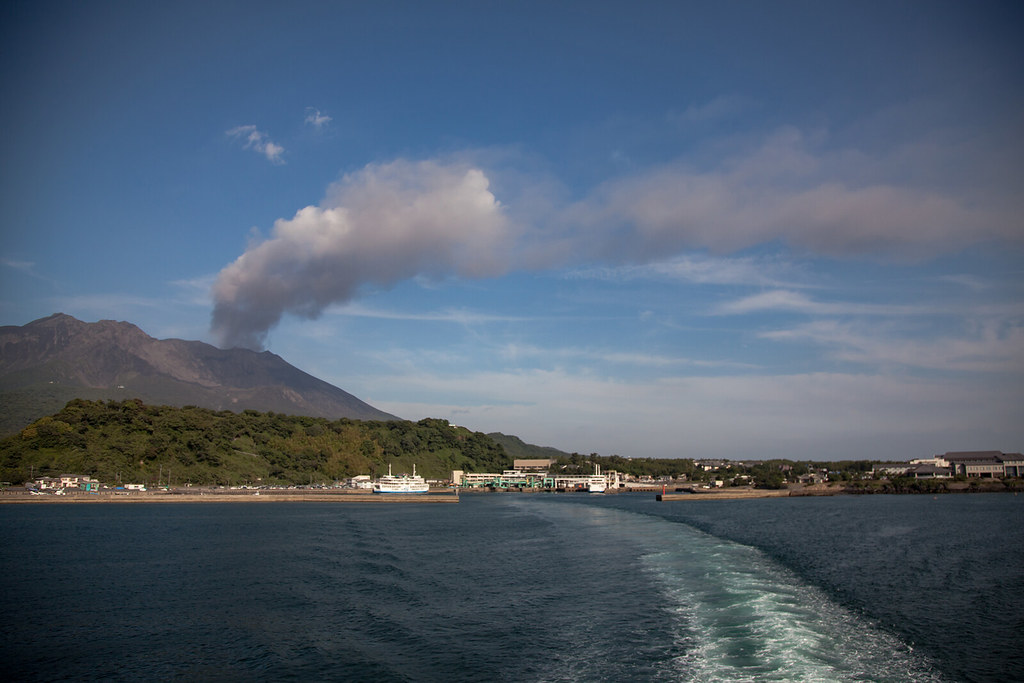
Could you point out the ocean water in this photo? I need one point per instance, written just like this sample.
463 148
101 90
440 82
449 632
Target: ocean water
517 587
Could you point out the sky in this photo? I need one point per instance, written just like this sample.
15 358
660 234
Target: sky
739 230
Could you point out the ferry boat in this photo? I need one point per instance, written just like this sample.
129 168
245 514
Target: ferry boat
597 483
401 483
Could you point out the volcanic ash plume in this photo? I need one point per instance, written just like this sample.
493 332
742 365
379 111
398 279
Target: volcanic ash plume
379 226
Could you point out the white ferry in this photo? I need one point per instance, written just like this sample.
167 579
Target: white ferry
597 483
401 483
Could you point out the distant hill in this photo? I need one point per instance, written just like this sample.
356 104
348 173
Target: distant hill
517 449
129 441
50 361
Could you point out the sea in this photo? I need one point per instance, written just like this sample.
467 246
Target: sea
517 587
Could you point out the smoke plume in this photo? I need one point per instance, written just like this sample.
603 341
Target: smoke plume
382 225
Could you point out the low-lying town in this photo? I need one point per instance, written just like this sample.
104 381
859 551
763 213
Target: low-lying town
536 474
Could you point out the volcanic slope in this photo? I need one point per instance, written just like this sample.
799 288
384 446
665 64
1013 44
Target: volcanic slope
50 361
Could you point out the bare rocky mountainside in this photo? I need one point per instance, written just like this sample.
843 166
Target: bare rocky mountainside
49 361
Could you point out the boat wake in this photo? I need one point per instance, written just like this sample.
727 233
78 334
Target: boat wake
739 616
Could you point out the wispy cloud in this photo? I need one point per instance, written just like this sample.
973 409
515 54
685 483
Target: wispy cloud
699 269
24 266
797 302
27 268
316 119
459 316
549 355
196 290
714 110
112 306
971 282
258 141
992 347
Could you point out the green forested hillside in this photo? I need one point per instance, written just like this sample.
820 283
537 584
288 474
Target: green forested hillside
519 449
129 441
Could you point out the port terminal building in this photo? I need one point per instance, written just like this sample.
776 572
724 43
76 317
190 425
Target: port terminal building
981 464
987 464
520 479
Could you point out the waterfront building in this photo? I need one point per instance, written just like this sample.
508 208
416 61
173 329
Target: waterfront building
928 471
1013 465
532 464
985 464
67 481
519 479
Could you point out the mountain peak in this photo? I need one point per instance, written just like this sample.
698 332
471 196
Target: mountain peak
60 357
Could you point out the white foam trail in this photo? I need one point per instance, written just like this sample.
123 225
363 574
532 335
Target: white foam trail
740 616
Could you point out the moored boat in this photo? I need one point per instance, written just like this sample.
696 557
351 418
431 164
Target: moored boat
401 483
597 483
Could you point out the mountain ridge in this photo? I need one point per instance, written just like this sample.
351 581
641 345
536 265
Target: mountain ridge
52 360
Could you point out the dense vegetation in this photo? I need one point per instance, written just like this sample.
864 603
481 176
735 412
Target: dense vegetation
130 442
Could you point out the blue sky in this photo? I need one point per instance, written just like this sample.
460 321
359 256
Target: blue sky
705 229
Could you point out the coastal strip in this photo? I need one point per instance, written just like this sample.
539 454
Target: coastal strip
731 494
214 496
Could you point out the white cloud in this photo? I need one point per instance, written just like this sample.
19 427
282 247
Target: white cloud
258 141
790 188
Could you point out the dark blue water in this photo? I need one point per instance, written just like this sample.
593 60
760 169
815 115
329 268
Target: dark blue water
519 588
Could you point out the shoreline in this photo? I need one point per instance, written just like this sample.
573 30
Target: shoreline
825 490
21 496
215 496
